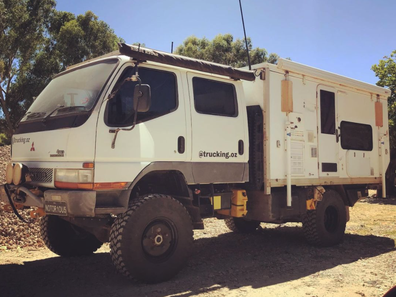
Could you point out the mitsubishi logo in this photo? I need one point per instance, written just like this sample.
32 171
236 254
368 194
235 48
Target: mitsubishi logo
32 149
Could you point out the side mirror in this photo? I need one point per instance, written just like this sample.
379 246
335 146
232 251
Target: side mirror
142 95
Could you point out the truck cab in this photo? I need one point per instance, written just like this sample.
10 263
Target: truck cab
117 131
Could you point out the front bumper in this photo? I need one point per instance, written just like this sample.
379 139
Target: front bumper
71 203
76 203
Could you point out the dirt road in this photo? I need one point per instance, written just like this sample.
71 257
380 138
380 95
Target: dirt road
274 261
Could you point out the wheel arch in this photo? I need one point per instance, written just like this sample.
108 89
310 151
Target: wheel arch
178 170
168 182
350 194
340 190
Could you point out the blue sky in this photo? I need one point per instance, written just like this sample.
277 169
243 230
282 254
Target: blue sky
342 36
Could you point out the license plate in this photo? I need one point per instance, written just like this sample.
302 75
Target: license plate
56 207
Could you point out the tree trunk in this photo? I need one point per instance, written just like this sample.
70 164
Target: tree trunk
10 129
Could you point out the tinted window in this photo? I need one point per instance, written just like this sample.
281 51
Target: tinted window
163 97
355 136
327 112
214 98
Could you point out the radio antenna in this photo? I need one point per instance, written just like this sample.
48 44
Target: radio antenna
244 32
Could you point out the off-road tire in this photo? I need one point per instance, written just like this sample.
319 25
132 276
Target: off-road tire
241 225
66 239
152 240
390 180
325 226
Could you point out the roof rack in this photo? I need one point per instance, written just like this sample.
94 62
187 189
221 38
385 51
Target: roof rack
145 54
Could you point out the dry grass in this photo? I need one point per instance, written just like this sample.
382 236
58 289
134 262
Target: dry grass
375 216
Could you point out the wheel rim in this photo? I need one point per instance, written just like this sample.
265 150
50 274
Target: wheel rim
159 240
331 219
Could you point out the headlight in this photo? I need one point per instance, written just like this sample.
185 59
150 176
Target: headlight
74 178
15 173
9 173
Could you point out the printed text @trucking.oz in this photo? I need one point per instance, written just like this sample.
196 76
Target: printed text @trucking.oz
217 154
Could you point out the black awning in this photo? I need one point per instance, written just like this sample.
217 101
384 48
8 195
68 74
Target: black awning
145 54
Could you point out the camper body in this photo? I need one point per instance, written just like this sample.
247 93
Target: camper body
319 130
282 143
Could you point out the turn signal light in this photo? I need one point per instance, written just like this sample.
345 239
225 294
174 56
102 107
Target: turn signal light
89 186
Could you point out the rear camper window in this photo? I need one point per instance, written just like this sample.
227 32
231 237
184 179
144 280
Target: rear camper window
214 97
327 112
163 97
355 136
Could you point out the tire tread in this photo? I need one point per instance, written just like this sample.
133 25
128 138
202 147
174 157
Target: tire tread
118 228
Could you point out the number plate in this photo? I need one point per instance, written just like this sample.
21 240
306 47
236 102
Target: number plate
56 207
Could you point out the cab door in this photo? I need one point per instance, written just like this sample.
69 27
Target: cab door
158 134
219 150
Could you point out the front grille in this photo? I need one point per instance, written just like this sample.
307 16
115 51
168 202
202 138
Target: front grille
41 175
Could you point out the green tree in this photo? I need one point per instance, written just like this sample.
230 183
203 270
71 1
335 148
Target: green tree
37 42
385 70
225 50
22 26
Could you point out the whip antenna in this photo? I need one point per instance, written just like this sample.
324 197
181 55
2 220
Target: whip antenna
244 32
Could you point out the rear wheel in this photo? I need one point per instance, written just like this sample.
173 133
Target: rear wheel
241 225
66 239
325 226
390 180
152 240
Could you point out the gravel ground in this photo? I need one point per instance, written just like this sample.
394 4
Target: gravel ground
15 234
274 261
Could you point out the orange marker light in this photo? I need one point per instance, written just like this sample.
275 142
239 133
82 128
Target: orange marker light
88 165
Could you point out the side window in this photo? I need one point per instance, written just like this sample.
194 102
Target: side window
214 97
327 112
355 136
163 97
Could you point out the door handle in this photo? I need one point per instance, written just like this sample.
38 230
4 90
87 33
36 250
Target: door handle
181 145
338 135
241 147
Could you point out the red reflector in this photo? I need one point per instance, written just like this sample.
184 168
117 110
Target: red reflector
80 186
88 186
110 186
88 165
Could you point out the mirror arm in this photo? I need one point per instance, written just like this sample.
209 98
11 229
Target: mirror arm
128 129
133 78
115 137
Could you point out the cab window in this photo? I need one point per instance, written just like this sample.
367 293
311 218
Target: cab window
163 86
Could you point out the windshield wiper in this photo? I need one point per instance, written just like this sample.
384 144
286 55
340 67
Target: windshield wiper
63 108
48 115
31 115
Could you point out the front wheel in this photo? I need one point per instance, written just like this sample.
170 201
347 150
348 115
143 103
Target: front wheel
66 239
325 226
152 240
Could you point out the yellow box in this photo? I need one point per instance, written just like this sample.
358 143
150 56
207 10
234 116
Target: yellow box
216 202
238 205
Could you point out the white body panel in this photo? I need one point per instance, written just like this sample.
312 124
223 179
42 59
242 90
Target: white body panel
215 138
156 140
151 141
310 148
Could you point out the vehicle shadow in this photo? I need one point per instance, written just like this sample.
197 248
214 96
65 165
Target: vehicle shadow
264 258
379 200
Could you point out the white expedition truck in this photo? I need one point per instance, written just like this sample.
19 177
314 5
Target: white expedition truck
136 147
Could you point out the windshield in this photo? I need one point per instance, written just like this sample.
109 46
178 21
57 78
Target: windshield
73 92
